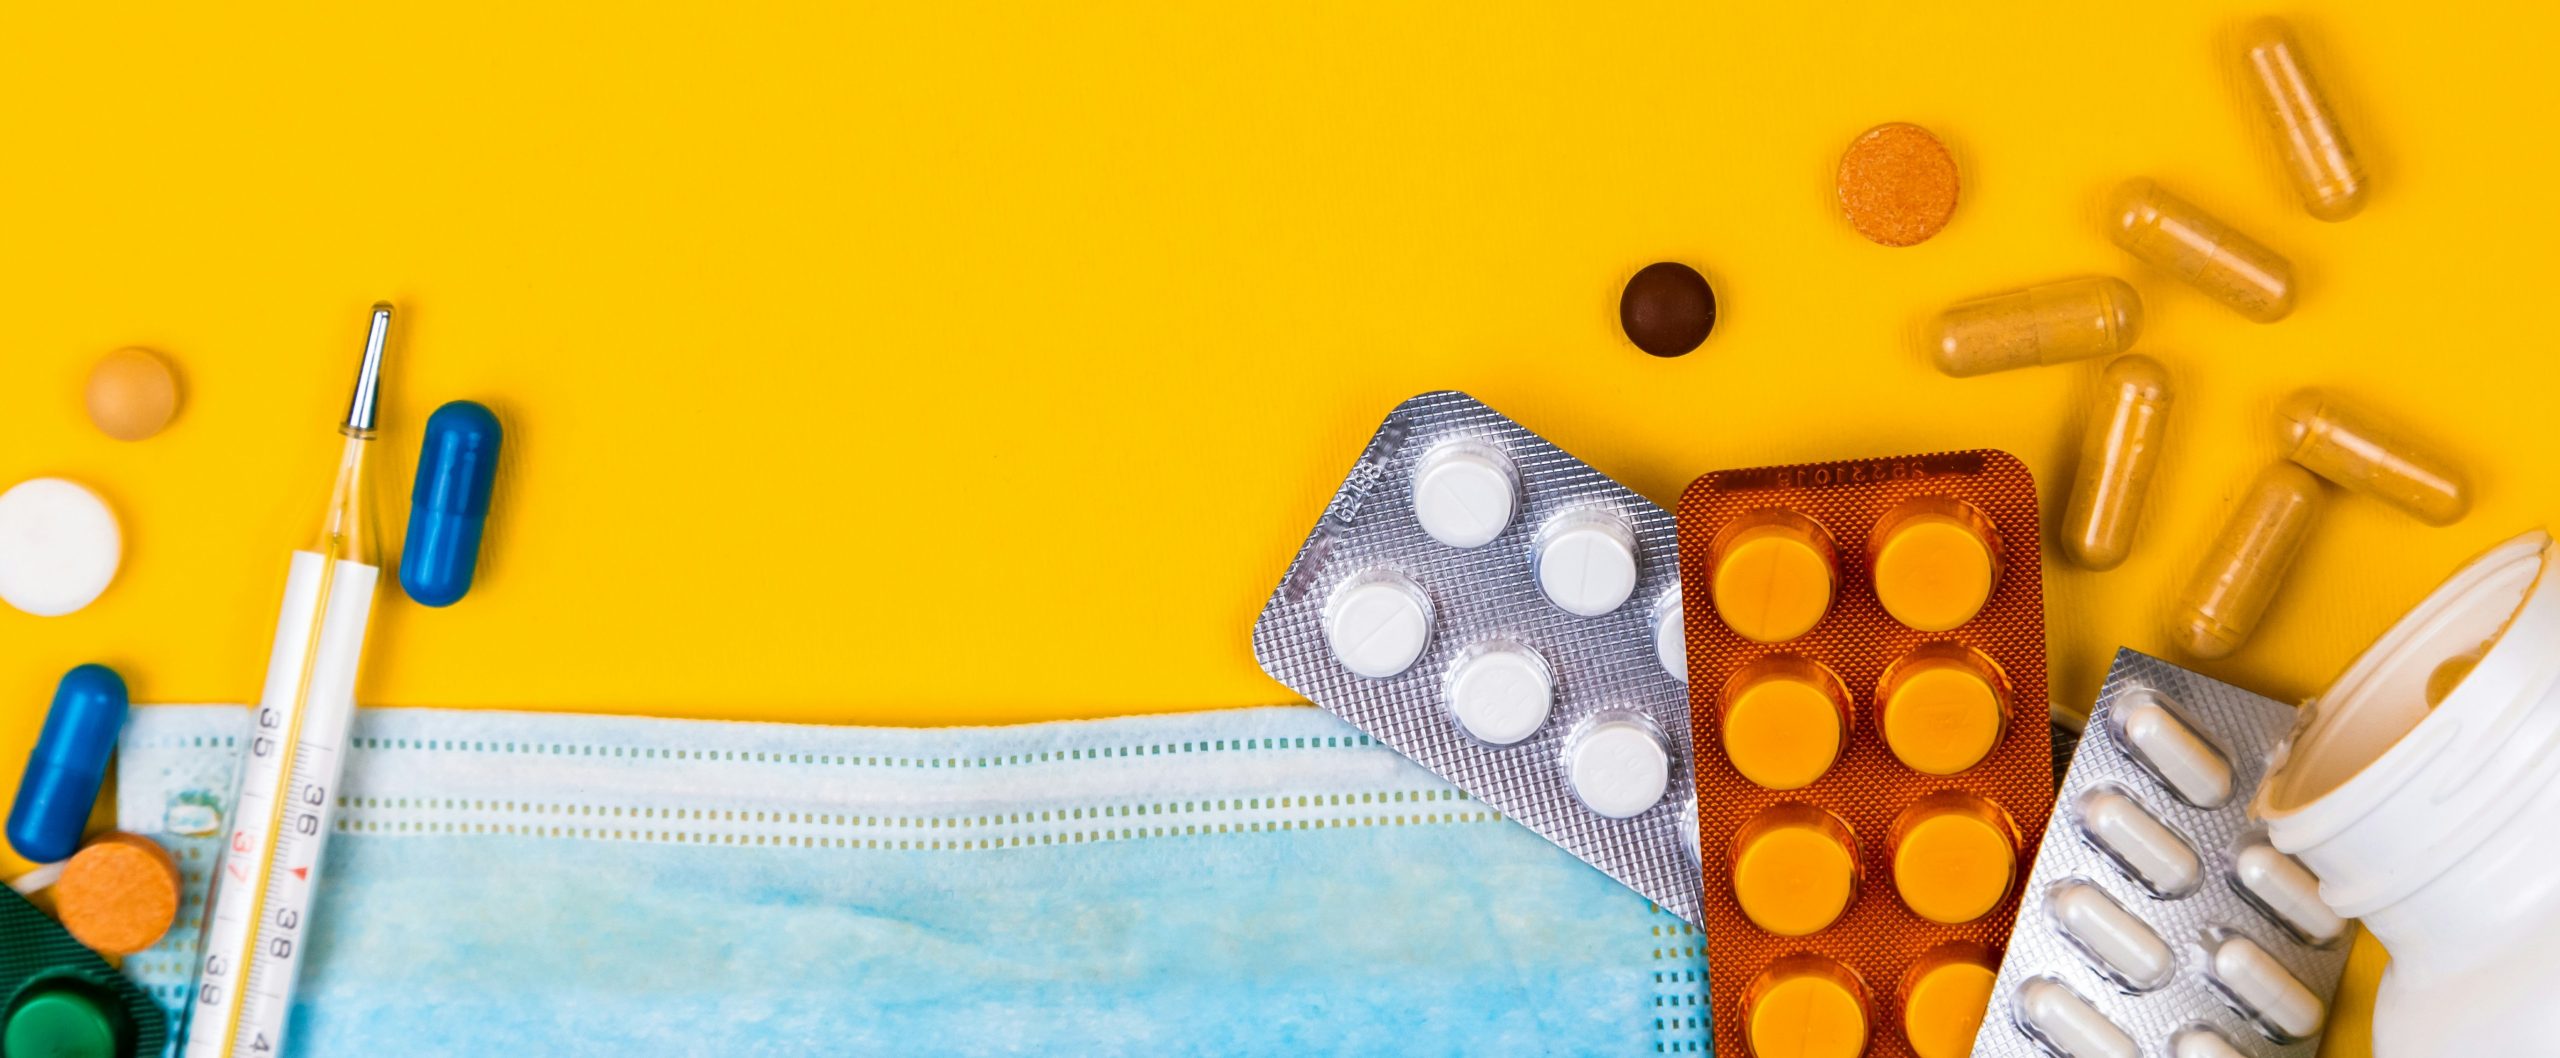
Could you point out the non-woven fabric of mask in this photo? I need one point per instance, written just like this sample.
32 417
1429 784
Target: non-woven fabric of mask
1237 882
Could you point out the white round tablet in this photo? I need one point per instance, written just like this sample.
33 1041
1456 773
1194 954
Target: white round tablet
1378 623
59 546
1464 493
1586 562
1670 635
1689 826
1617 763
1499 691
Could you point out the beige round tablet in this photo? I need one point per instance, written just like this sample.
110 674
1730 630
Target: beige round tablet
118 894
133 394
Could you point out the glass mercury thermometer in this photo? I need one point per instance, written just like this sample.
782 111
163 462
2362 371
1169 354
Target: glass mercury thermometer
258 915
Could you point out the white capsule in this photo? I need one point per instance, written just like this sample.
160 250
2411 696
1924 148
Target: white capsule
2263 985
2161 860
2175 753
2201 1042
2285 887
2128 948
2069 1023
1464 493
1378 622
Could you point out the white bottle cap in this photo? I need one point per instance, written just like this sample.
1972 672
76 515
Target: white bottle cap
1464 493
2379 794
1500 691
59 546
1378 622
1586 562
1618 763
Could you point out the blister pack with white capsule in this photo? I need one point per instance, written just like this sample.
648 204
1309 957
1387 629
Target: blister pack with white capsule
1497 610
2158 922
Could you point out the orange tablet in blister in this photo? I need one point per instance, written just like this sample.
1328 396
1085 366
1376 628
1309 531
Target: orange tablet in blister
1773 572
1944 996
1784 721
1867 672
1806 1006
1942 707
1794 869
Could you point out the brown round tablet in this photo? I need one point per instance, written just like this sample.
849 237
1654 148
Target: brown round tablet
1897 184
132 394
118 894
1668 309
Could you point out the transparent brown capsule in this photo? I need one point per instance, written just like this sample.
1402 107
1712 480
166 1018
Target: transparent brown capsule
2317 157
2118 457
2169 233
2351 447
2248 562
2049 323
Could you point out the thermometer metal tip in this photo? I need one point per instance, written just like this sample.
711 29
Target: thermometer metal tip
360 408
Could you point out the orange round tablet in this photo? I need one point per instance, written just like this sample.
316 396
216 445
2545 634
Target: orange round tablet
1952 864
118 894
1793 880
1942 719
1774 574
1897 184
1934 569
1805 1015
1942 708
1942 1008
1782 728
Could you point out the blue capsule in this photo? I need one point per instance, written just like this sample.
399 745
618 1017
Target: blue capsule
68 765
457 466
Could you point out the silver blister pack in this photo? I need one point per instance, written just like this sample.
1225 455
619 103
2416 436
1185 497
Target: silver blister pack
1420 614
2158 922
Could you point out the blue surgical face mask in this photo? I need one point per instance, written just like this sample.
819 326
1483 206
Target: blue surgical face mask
1259 881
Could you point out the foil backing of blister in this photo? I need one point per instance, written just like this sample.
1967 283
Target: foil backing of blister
1600 663
2248 729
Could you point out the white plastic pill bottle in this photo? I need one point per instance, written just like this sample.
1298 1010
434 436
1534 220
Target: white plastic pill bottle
2424 789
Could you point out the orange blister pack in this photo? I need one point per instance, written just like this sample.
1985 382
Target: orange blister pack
1867 685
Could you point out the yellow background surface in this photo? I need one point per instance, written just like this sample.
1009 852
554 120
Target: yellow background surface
924 364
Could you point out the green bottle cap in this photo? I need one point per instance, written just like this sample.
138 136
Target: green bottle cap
58 1024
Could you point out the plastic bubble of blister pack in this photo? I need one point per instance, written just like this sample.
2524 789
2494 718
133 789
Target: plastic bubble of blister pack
1494 608
2158 919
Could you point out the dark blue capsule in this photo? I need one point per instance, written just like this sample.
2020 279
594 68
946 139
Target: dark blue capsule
456 468
68 765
